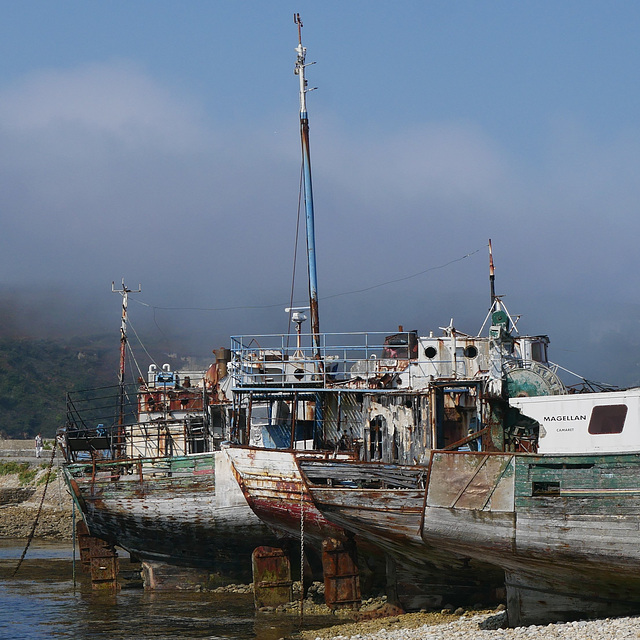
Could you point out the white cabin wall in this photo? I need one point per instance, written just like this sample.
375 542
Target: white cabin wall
564 422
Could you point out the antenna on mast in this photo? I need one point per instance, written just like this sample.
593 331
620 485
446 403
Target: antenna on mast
298 20
492 276
497 306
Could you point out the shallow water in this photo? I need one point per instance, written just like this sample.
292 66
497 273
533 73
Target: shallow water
40 602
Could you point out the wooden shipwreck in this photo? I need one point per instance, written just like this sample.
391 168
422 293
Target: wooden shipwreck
144 466
562 523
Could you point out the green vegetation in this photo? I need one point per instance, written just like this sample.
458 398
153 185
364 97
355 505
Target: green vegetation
36 374
8 468
43 478
26 473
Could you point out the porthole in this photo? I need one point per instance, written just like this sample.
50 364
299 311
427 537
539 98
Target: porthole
470 352
430 352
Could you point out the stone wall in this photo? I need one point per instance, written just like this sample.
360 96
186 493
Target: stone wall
14 495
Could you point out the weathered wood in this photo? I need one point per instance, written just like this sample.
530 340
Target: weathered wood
274 488
472 481
566 532
185 511
365 474
428 575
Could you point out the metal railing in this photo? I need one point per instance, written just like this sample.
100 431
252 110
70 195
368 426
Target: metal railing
292 359
372 359
93 429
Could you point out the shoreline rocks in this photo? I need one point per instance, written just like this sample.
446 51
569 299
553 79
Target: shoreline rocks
16 521
21 494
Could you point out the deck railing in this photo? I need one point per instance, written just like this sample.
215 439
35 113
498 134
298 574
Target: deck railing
349 359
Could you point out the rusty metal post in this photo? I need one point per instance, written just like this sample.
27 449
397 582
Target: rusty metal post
341 575
103 565
272 584
84 546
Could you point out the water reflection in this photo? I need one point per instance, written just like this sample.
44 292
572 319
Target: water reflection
40 602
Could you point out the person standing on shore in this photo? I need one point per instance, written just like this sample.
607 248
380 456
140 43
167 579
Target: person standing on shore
38 446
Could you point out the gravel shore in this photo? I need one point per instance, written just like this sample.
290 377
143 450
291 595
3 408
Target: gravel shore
479 626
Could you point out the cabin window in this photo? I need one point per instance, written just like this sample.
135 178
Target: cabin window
607 419
401 345
538 352
430 352
545 488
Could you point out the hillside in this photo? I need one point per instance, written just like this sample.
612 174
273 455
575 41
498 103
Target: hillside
35 375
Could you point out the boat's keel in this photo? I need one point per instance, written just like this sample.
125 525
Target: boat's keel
534 599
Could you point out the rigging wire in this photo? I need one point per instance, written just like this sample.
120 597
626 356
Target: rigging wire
295 253
143 348
384 284
335 295
132 355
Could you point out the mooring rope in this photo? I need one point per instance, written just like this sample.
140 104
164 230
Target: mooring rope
35 524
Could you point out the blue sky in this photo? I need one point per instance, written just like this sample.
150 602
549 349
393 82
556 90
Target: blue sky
158 141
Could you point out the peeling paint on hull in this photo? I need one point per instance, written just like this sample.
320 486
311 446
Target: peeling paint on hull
390 519
176 514
564 528
274 488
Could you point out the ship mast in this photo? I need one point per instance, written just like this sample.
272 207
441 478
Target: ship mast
308 190
124 292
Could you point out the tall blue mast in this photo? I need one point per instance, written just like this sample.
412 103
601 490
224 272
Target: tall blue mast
308 190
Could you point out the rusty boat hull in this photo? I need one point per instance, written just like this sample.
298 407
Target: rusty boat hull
274 488
565 529
278 494
383 504
183 512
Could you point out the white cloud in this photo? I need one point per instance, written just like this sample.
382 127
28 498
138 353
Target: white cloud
117 99
450 162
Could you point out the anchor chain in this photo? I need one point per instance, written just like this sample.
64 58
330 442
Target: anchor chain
35 524
301 552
